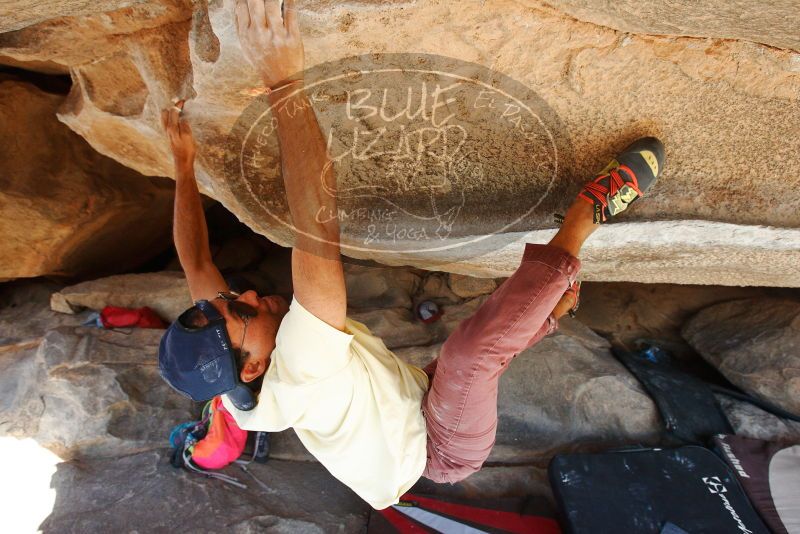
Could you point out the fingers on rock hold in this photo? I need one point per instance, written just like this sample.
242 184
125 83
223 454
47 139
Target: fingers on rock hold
242 16
290 17
273 13
258 16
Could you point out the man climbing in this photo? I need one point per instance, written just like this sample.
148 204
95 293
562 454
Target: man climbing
369 418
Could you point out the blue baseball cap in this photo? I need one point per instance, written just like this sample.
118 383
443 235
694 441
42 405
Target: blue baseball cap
199 362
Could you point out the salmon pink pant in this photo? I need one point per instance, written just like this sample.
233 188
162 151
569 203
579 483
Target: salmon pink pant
460 407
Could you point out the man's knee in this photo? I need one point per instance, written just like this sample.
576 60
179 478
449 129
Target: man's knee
459 458
448 472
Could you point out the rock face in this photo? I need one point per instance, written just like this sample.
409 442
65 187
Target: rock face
81 392
718 99
468 286
379 287
398 327
301 497
166 293
63 207
774 23
19 14
89 392
755 343
25 315
630 312
752 422
568 391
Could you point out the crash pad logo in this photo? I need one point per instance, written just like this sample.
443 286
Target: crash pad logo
428 153
715 485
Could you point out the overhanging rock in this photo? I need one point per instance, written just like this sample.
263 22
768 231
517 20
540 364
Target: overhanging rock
724 212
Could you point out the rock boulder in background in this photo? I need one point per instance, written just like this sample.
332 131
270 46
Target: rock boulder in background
469 286
143 492
774 22
85 392
64 208
164 292
755 343
399 327
80 391
568 392
379 287
752 422
25 314
655 313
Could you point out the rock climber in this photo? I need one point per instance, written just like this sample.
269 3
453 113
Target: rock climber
375 422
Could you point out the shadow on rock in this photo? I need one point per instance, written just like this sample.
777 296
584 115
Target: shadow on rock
143 492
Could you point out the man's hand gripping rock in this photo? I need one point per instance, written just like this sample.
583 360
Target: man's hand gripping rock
270 40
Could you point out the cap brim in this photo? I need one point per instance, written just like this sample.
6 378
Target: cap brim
242 398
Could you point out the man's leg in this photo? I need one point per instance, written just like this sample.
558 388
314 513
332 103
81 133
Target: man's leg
461 405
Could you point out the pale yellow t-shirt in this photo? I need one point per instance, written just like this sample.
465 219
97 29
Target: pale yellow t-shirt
354 405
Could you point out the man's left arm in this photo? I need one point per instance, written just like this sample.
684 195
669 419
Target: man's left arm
189 223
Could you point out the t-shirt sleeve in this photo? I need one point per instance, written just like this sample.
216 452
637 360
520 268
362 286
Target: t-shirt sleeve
307 348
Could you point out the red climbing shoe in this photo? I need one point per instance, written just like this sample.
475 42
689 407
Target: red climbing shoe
625 179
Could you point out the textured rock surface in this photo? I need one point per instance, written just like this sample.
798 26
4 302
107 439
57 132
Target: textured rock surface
100 402
18 14
63 207
237 254
717 103
713 252
469 286
753 422
755 343
628 312
78 391
379 287
398 327
165 292
88 392
436 288
774 22
25 314
568 392
302 497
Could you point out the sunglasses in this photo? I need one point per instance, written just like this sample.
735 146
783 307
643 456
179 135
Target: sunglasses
242 310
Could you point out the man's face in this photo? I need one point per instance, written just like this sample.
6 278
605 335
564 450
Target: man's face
259 336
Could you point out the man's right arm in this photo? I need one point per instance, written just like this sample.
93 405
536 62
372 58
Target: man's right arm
317 270
271 42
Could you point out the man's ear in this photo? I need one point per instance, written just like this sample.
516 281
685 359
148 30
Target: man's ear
254 368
